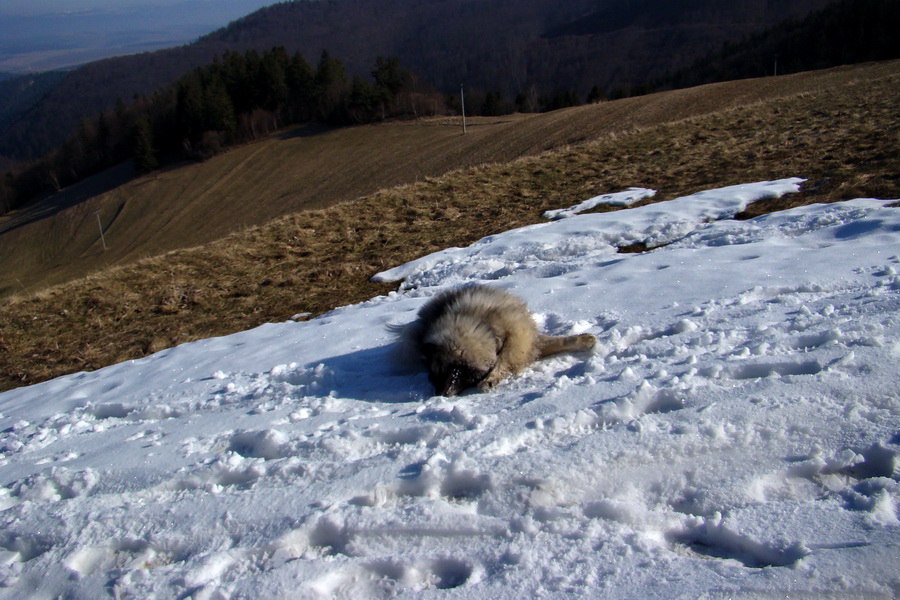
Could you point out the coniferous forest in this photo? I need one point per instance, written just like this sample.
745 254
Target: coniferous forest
237 98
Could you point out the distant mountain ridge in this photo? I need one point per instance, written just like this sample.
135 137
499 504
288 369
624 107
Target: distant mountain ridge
43 39
504 46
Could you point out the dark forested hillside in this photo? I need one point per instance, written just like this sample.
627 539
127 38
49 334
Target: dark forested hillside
91 90
845 32
505 47
237 98
20 92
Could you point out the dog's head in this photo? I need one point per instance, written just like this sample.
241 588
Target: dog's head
450 377
459 357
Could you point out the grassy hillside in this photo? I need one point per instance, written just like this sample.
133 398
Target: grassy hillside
502 46
838 128
58 239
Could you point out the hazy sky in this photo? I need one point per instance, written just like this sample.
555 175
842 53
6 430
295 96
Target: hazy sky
43 35
39 7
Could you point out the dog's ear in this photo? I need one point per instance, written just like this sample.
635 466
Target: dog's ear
499 341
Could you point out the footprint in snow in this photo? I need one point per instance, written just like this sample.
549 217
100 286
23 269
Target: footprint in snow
381 578
710 538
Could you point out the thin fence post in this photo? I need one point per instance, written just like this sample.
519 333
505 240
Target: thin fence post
100 225
462 97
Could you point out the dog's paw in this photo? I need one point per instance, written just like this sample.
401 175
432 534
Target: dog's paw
486 386
585 341
491 381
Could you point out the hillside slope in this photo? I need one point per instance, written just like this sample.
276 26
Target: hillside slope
735 436
836 128
58 239
500 45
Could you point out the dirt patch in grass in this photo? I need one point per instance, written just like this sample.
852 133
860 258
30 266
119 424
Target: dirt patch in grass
844 139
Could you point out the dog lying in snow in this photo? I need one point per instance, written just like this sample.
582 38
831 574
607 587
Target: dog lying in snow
478 335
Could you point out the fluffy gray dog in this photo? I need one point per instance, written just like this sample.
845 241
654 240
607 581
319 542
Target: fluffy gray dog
478 335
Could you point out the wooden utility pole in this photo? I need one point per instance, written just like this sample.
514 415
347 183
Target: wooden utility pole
462 97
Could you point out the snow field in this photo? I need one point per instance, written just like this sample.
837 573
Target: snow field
735 432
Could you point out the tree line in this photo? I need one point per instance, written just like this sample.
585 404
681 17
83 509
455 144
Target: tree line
241 97
237 98
842 33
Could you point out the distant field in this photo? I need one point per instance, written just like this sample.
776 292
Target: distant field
40 39
348 203
47 60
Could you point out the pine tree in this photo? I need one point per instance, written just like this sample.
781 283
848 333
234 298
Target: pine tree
142 146
272 79
189 107
301 89
363 100
493 105
596 95
218 112
331 88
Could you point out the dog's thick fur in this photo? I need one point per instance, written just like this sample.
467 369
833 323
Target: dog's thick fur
479 335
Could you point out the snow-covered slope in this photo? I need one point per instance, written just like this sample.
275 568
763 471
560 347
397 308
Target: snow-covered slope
734 433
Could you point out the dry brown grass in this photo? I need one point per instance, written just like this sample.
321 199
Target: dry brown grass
311 168
843 138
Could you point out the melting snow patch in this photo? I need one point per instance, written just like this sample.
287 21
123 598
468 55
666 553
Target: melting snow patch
626 198
735 431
